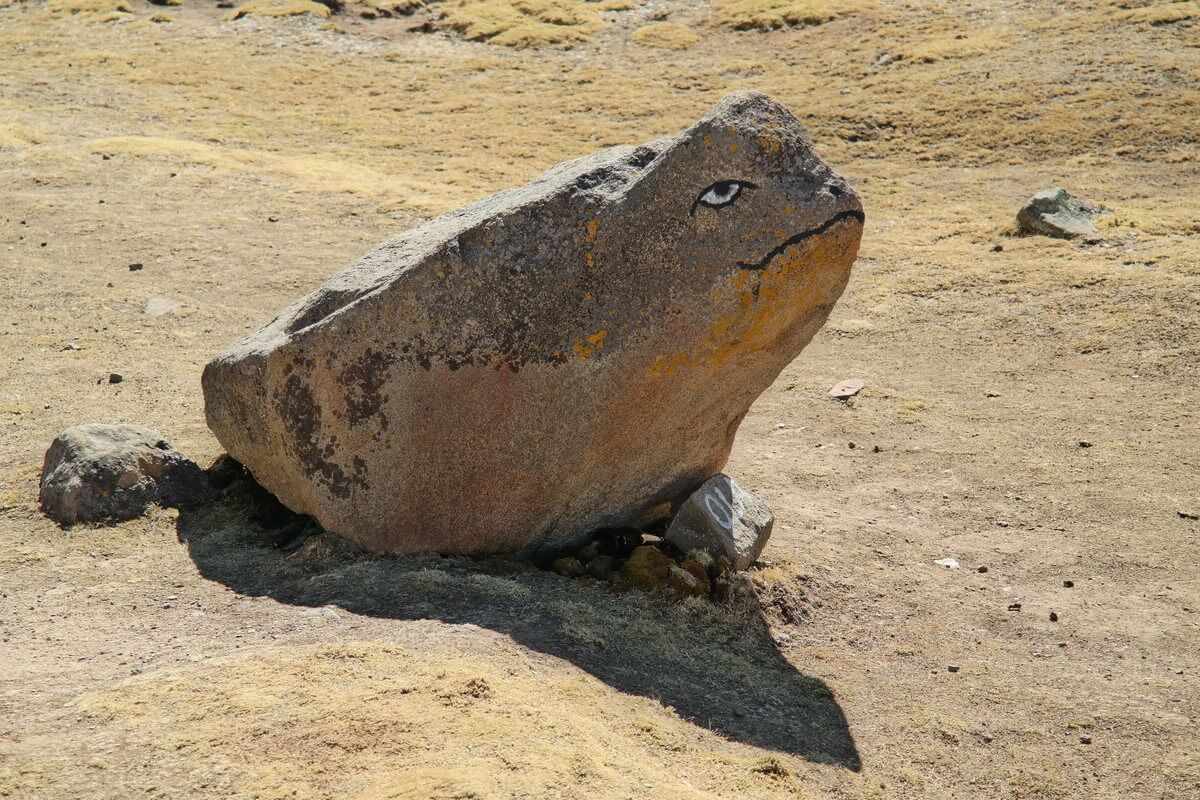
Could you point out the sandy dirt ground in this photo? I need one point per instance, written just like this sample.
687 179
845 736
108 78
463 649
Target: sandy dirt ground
1030 411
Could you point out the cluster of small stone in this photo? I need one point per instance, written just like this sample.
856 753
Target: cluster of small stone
629 559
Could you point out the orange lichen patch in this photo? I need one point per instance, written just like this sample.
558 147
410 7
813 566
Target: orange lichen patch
595 343
768 14
278 8
592 227
521 23
665 36
755 320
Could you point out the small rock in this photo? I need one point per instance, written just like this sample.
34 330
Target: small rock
952 668
981 570
1014 607
134 267
723 519
1085 444
99 472
1053 617
589 551
948 563
686 583
325 611
991 394
158 306
647 568
568 567
115 377
1085 740
1068 584
600 567
846 389
1188 514
70 346
1054 212
997 248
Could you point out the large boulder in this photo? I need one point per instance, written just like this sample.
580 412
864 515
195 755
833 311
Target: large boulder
102 472
571 355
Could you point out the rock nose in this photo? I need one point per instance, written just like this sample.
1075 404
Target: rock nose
844 199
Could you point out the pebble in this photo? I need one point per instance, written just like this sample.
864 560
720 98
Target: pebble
1068 584
952 668
847 389
1014 607
1085 444
568 567
134 267
948 563
1053 617
1085 740
115 377
981 570
70 346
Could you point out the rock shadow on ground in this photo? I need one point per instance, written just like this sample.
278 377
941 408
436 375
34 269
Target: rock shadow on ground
716 665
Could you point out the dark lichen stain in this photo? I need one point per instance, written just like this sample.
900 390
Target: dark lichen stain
302 416
364 379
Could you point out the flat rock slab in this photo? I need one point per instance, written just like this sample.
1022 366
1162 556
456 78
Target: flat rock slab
1054 212
722 518
571 355
98 472
846 389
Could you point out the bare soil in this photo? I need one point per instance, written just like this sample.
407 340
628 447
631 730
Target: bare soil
1030 411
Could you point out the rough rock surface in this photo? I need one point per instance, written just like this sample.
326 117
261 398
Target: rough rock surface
1054 212
570 355
722 518
111 472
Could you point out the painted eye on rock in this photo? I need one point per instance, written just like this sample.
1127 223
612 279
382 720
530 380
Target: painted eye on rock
721 194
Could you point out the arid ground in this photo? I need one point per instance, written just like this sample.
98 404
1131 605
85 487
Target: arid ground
1030 410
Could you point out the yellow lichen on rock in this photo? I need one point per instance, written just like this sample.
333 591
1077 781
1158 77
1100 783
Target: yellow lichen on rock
665 35
521 23
277 8
770 14
91 7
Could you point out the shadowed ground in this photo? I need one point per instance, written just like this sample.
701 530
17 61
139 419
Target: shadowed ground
715 665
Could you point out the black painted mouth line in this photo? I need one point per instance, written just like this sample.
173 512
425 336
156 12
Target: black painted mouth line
800 237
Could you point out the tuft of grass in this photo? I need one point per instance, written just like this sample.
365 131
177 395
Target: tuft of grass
521 23
1159 13
277 8
90 7
666 36
770 14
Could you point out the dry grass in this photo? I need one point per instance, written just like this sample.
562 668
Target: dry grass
521 23
95 8
666 36
1159 13
278 8
261 726
770 14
